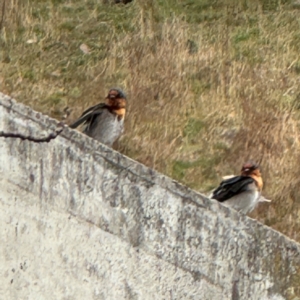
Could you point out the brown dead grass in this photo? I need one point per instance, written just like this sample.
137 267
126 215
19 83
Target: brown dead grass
203 96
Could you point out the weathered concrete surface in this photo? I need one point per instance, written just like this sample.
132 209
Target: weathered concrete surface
81 221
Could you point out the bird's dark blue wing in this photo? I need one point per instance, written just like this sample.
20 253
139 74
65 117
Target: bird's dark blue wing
89 115
231 187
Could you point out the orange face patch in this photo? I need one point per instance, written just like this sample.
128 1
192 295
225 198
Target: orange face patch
116 103
121 102
251 169
120 113
256 175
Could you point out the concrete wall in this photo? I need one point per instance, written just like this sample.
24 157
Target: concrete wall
81 221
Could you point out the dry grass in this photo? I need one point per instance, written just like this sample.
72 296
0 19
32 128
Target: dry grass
209 85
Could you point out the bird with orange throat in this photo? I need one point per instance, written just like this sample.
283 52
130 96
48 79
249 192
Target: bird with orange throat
105 121
243 192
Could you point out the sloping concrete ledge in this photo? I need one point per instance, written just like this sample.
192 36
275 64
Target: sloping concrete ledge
81 221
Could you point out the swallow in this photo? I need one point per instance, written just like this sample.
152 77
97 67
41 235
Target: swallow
242 192
105 121
261 198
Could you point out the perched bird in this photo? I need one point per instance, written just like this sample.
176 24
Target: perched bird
105 121
242 192
261 197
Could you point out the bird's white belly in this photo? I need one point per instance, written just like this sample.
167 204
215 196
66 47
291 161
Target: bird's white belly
107 130
244 202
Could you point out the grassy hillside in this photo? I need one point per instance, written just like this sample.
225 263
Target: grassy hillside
210 83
